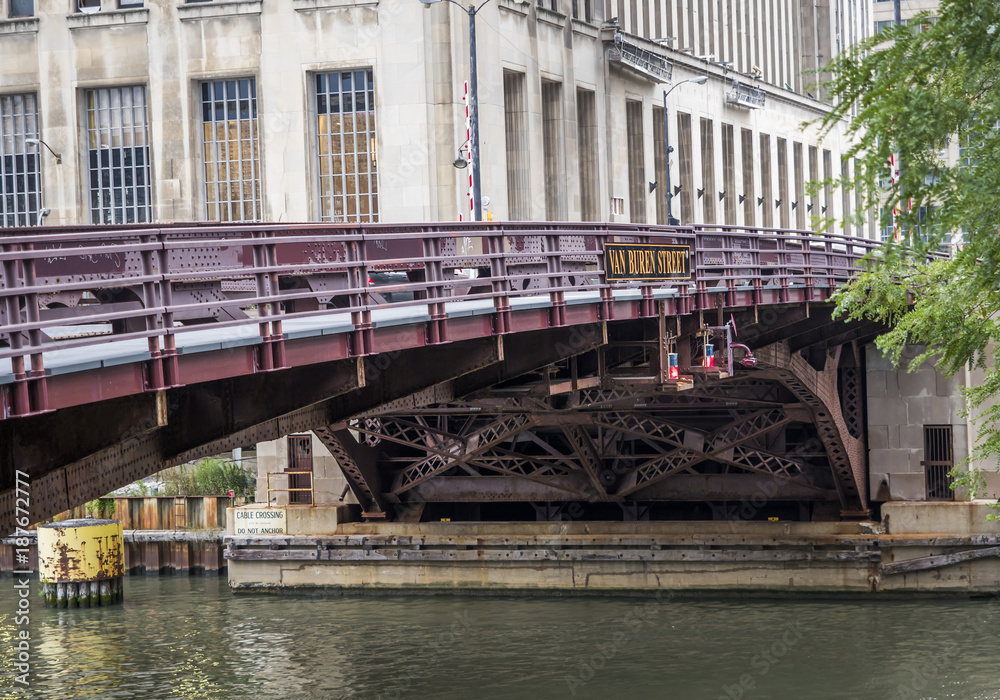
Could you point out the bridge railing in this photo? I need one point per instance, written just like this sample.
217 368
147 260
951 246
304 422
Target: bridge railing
159 281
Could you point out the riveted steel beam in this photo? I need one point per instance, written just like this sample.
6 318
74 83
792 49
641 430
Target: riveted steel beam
817 390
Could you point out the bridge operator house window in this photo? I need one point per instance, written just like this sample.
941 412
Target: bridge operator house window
231 149
20 169
118 156
348 183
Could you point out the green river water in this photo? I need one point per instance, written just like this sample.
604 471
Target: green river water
178 637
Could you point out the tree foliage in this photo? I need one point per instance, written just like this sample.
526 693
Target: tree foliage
916 93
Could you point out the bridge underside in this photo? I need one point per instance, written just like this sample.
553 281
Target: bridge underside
601 436
570 422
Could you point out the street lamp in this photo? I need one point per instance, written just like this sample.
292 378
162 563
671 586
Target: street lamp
700 80
36 142
477 197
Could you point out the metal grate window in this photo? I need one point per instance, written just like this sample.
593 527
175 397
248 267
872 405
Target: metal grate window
516 140
20 169
348 182
231 150
939 459
586 130
300 459
636 162
118 156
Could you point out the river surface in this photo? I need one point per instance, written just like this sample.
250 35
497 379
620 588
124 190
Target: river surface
192 638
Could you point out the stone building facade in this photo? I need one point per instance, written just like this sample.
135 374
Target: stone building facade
353 110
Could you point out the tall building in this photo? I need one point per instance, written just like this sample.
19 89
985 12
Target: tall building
355 111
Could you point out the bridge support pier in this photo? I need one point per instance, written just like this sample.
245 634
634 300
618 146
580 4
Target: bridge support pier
81 563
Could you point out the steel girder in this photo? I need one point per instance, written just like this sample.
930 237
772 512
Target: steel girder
817 390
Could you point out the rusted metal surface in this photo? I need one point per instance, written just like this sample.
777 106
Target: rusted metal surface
80 550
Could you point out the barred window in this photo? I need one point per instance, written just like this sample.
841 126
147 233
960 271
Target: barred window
20 169
348 182
231 145
118 156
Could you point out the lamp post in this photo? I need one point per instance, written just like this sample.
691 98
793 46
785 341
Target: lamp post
477 193
42 211
700 80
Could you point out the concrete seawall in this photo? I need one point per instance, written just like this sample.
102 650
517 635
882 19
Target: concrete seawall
919 548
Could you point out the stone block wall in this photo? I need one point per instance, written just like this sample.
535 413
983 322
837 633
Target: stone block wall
900 405
328 481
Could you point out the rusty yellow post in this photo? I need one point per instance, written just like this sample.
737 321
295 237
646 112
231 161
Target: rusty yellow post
81 562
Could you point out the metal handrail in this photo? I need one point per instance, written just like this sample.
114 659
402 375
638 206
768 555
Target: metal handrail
312 494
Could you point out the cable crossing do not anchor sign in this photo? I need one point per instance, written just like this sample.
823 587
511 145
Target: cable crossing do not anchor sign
646 261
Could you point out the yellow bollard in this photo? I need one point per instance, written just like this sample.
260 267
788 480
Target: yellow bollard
81 562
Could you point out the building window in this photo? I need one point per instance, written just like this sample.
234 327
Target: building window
813 206
659 166
783 201
883 25
887 224
845 193
939 460
800 186
348 182
231 149
586 129
766 190
118 156
747 159
708 171
825 210
685 163
130 3
517 146
552 143
88 6
728 193
20 165
22 8
636 162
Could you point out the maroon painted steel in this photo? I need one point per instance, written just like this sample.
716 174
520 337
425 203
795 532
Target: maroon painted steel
731 266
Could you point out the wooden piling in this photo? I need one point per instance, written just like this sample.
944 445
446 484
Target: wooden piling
81 563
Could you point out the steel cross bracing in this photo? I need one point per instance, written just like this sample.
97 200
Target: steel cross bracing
480 436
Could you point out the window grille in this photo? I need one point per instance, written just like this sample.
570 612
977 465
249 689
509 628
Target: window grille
231 150
939 459
300 459
766 189
586 121
20 168
348 182
636 161
516 139
708 170
118 156
747 166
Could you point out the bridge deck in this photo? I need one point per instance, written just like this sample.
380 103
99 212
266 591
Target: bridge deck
110 351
